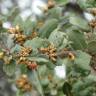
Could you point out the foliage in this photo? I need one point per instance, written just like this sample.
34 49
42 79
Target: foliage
32 50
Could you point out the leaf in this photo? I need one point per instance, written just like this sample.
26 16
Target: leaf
62 1
92 47
10 42
67 89
49 26
43 61
43 72
35 43
79 22
56 37
10 69
55 13
29 27
82 3
18 21
6 40
91 78
23 68
80 88
77 86
78 40
83 60
34 78
16 48
86 92
40 60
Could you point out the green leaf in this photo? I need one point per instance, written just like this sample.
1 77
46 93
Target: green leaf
43 73
10 42
23 68
86 92
82 3
83 60
79 22
18 21
40 60
91 78
62 1
34 78
56 37
80 88
29 27
36 43
77 86
55 13
92 47
10 69
6 40
49 26
16 48
67 89
78 40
